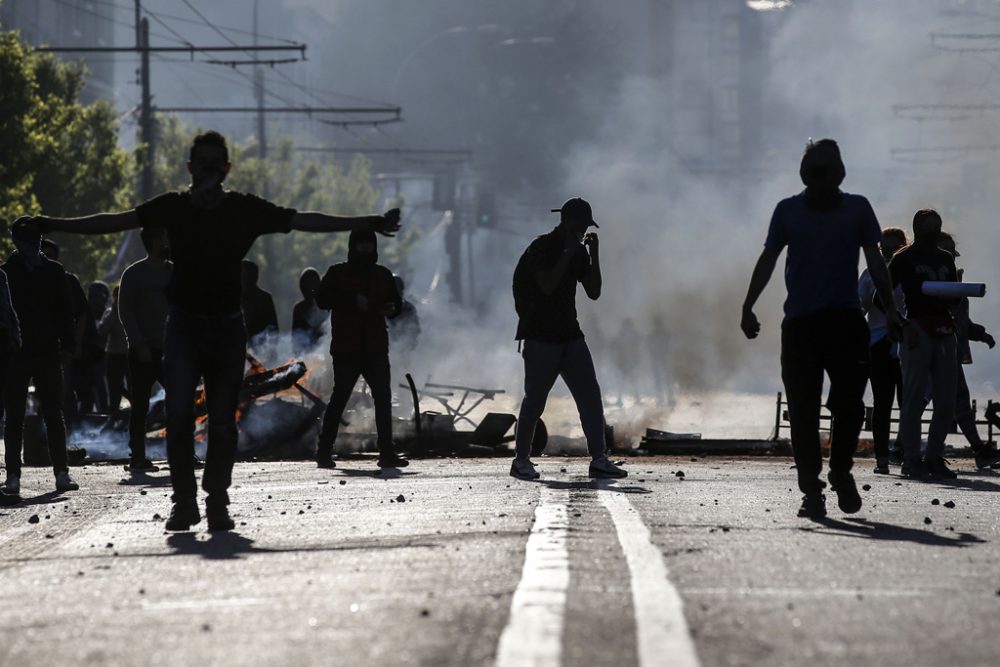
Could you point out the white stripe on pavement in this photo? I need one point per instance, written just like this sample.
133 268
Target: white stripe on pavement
533 635
661 629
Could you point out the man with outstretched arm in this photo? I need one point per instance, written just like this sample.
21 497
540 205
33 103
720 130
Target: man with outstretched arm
824 329
210 230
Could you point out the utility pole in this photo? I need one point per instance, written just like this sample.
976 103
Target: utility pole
146 118
259 89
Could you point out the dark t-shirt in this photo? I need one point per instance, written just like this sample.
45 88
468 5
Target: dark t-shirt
550 318
910 267
207 246
821 271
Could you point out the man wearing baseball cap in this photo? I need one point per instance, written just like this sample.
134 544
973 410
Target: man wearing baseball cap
545 299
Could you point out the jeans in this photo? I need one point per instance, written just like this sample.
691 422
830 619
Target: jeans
346 371
47 372
924 357
964 416
214 348
543 363
141 378
116 373
887 384
835 341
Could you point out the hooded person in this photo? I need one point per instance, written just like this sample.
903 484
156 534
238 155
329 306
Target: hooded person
307 317
360 294
40 296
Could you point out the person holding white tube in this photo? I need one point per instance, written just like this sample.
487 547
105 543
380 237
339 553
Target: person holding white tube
928 351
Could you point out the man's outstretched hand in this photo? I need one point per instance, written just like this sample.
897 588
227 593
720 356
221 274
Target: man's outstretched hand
388 223
750 324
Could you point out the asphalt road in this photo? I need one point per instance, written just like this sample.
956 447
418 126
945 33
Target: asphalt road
454 563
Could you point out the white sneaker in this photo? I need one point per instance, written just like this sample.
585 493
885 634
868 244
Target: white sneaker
523 469
64 482
13 484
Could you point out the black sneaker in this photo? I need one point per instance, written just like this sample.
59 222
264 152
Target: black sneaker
9 499
141 465
813 506
881 466
392 461
848 498
326 462
895 456
217 513
183 515
913 470
198 463
937 468
987 456
603 468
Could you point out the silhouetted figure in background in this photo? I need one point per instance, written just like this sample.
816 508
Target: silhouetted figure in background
658 346
360 294
928 351
116 352
823 329
39 290
210 231
258 304
404 329
143 309
627 352
544 287
885 374
10 343
79 394
98 298
307 317
966 331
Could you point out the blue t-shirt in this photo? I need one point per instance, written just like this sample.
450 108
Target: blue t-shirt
821 271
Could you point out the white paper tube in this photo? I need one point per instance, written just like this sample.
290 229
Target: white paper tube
953 290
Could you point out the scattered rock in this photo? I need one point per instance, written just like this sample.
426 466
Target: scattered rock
142 591
343 481
562 469
679 473
950 504
143 492
48 536
109 545
33 518
205 627
927 521
401 498
867 487
935 502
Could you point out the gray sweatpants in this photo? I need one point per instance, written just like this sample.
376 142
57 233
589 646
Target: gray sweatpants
543 363
925 357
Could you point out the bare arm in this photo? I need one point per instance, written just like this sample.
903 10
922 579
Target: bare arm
758 281
883 287
100 223
312 221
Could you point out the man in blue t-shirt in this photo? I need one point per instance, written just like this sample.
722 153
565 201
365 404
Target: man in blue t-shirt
824 329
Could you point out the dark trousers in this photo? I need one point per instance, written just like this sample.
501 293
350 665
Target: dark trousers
544 363
834 341
964 416
887 383
47 372
213 348
346 371
141 378
116 372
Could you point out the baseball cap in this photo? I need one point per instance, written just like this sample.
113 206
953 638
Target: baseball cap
577 209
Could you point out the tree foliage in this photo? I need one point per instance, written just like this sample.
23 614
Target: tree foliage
61 157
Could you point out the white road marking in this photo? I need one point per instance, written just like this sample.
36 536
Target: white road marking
533 635
661 629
